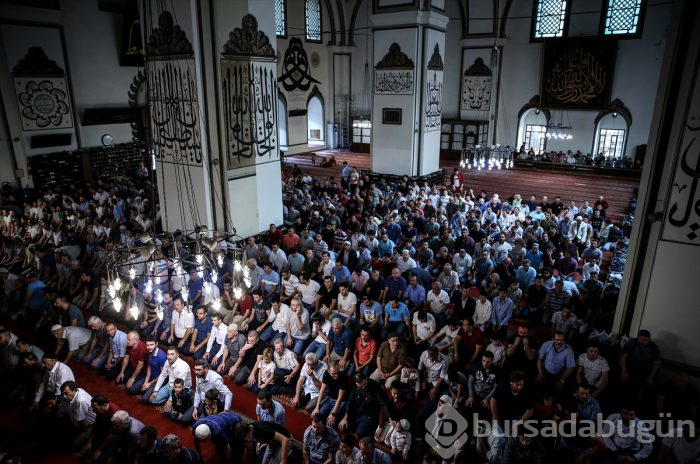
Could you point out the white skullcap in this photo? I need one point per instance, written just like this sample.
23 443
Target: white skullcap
202 432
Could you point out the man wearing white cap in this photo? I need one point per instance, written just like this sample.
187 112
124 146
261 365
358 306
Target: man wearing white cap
219 429
78 340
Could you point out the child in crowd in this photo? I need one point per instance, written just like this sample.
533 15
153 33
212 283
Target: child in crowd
400 439
180 408
411 378
497 348
266 372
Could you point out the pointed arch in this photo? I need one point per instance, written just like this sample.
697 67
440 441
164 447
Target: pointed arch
331 21
341 19
315 116
353 20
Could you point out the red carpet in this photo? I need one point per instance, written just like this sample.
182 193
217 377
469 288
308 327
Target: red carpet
17 434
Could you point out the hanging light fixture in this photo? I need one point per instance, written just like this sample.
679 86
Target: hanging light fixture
560 131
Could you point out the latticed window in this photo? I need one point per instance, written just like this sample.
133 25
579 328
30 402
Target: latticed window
622 17
535 137
280 18
313 21
550 18
611 142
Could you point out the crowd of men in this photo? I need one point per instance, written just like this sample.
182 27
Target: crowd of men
378 308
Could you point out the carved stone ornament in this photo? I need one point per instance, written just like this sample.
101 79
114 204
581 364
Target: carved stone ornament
478 69
36 63
168 39
395 59
435 62
248 40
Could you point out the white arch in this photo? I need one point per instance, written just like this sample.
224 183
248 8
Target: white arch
314 118
611 121
533 116
282 123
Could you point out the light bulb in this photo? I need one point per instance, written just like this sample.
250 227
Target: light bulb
149 286
117 283
159 296
200 259
132 272
200 272
216 304
117 303
214 276
247 281
237 293
112 292
184 296
237 266
134 311
159 312
220 260
207 288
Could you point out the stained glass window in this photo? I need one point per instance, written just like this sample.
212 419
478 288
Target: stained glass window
622 17
313 21
280 18
550 18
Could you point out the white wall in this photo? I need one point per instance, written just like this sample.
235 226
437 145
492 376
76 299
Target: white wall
635 81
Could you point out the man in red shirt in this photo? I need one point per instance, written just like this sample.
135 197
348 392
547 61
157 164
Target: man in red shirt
274 235
291 240
468 343
365 351
133 364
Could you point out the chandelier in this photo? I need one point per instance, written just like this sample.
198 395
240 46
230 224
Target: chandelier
490 158
156 261
559 131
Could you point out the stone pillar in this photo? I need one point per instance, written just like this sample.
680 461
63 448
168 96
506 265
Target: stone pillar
247 83
176 122
407 104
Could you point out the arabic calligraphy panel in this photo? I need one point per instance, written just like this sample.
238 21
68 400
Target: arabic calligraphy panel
433 101
476 93
174 111
577 73
682 222
250 109
43 102
396 82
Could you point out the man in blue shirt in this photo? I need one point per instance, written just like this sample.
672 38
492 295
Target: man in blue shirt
33 306
534 256
219 429
395 285
341 342
200 334
501 310
155 359
385 246
340 273
414 295
371 316
525 275
320 441
396 318
194 288
556 362
269 282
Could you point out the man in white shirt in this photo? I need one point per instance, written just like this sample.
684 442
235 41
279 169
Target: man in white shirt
423 325
217 339
208 379
278 258
78 340
174 368
290 283
309 291
77 405
309 384
298 329
437 300
433 369
347 303
182 323
280 314
56 375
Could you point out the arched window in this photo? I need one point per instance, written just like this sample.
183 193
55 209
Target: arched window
622 17
532 130
313 21
281 18
550 18
611 136
315 118
282 121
